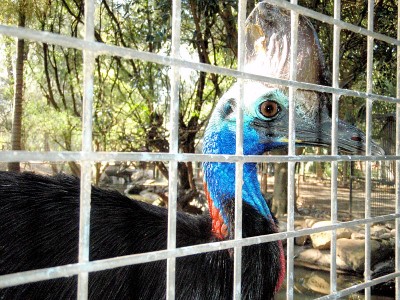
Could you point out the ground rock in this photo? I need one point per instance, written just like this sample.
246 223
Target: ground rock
282 226
138 175
317 283
140 198
318 259
390 225
322 240
352 252
385 236
378 230
383 268
301 240
299 222
357 236
150 196
388 245
309 222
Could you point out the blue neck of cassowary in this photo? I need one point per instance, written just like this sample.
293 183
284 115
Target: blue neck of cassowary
219 177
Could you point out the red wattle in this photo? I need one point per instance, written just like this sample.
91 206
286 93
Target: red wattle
282 271
219 229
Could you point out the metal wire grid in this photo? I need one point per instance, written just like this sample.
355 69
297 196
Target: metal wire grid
334 147
91 49
294 20
237 255
397 246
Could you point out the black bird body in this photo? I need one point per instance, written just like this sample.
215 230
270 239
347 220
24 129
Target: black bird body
44 233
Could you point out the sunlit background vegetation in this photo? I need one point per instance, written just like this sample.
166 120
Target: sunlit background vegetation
132 96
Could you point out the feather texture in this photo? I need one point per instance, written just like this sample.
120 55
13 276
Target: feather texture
44 233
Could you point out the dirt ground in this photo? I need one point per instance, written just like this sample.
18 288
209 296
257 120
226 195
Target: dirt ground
314 197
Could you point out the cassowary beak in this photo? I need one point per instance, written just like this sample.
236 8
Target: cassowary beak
313 124
349 138
314 128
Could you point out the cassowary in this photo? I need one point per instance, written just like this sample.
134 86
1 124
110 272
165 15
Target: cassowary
39 216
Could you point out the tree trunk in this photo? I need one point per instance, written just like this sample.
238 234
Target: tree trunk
183 176
75 168
264 178
280 196
345 170
279 199
319 167
16 131
54 168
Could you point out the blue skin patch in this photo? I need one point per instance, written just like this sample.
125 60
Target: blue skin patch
220 177
220 138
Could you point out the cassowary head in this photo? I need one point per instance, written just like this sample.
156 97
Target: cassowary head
266 119
265 127
265 111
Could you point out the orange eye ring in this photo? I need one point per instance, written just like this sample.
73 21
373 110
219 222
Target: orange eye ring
269 109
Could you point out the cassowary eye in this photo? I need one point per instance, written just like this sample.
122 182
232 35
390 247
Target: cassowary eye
269 109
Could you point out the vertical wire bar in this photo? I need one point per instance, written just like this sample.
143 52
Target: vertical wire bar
294 21
368 131
173 148
86 172
334 147
397 244
237 258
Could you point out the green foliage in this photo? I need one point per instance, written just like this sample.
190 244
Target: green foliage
59 128
6 91
132 98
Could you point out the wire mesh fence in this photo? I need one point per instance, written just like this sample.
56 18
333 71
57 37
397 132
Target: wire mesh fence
313 186
369 199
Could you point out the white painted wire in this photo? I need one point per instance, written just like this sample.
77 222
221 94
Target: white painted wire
294 25
397 223
237 255
91 49
334 147
368 133
173 149
86 170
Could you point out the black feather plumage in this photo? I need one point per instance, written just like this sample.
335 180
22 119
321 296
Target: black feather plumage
39 229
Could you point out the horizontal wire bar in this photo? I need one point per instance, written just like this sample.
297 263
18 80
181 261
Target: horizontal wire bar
330 20
100 265
103 49
53 156
358 287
